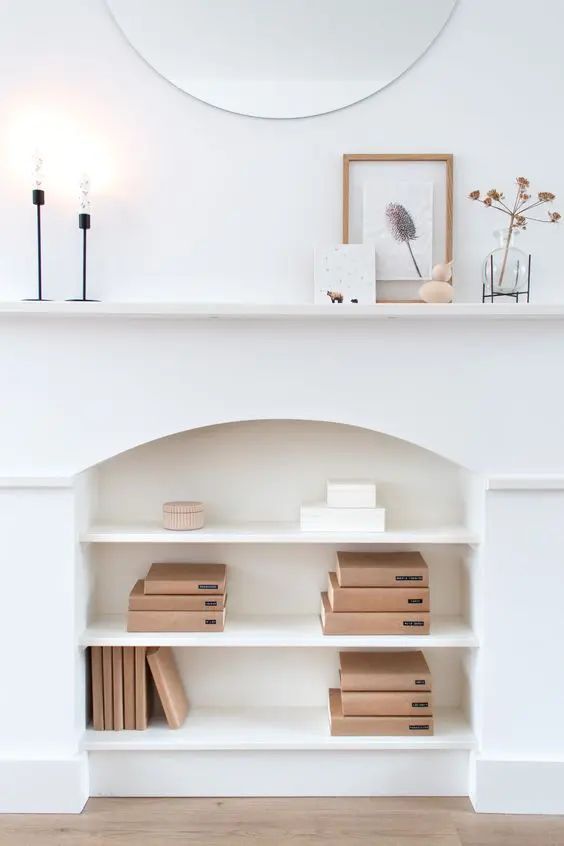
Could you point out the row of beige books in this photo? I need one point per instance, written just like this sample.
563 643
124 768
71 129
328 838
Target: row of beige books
382 693
179 598
121 678
377 593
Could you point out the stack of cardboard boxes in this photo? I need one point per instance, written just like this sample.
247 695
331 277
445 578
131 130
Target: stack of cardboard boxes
382 693
119 687
179 598
377 593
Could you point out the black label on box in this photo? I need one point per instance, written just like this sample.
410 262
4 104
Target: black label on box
210 622
413 623
414 601
419 681
409 578
420 728
210 603
419 704
208 587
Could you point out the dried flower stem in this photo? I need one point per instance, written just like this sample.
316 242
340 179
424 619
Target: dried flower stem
540 220
509 233
518 218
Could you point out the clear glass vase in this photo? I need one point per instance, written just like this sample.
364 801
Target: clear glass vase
505 269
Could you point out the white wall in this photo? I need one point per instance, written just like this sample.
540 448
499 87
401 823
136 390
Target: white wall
195 203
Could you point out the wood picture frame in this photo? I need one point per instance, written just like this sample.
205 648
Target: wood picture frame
447 159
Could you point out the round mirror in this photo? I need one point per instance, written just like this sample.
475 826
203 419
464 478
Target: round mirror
281 58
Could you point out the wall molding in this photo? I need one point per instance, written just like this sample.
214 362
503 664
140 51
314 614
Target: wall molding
280 773
517 787
526 482
15 482
44 786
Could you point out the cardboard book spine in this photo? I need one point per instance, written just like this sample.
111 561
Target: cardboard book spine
376 598
141 601
391 576
406 671
176 621
129 688
107 674
390 681
169 685
372 622
190 587
117 678
359 703
388 726
195 579
97 682
141 689
378 570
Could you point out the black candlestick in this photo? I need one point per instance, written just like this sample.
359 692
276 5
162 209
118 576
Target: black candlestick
84 224
38 197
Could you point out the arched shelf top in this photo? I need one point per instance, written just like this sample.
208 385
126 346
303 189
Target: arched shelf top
343 422
253 475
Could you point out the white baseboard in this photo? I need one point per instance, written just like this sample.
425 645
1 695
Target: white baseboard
391 773
517 787
496 786
44 786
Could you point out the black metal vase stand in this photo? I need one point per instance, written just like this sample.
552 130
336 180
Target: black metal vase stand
489 297
38 197
84 224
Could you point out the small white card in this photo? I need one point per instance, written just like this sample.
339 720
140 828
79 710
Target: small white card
345 273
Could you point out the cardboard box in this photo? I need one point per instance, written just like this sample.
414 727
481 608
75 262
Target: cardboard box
376 598
141 601
117 678
342 725
176 621
129 687
206 579
97 688
371 622
381 703
351 493
141 689
384 671
168 683
382 569
318 517
108 685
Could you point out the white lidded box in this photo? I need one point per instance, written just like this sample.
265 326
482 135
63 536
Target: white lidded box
319 517
351 493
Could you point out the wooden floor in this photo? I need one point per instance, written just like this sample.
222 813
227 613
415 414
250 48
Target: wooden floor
276 822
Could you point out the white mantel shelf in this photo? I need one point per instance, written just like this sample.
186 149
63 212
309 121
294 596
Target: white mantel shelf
283 311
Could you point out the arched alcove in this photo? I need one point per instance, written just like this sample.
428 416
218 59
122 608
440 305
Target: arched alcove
259 472
264 469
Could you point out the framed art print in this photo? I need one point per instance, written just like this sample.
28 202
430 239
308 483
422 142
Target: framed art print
402 205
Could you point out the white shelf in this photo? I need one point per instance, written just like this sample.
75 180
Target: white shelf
273 533
272 728
286 311
255 630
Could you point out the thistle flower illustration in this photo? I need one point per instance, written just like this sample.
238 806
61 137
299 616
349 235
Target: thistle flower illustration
402 228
